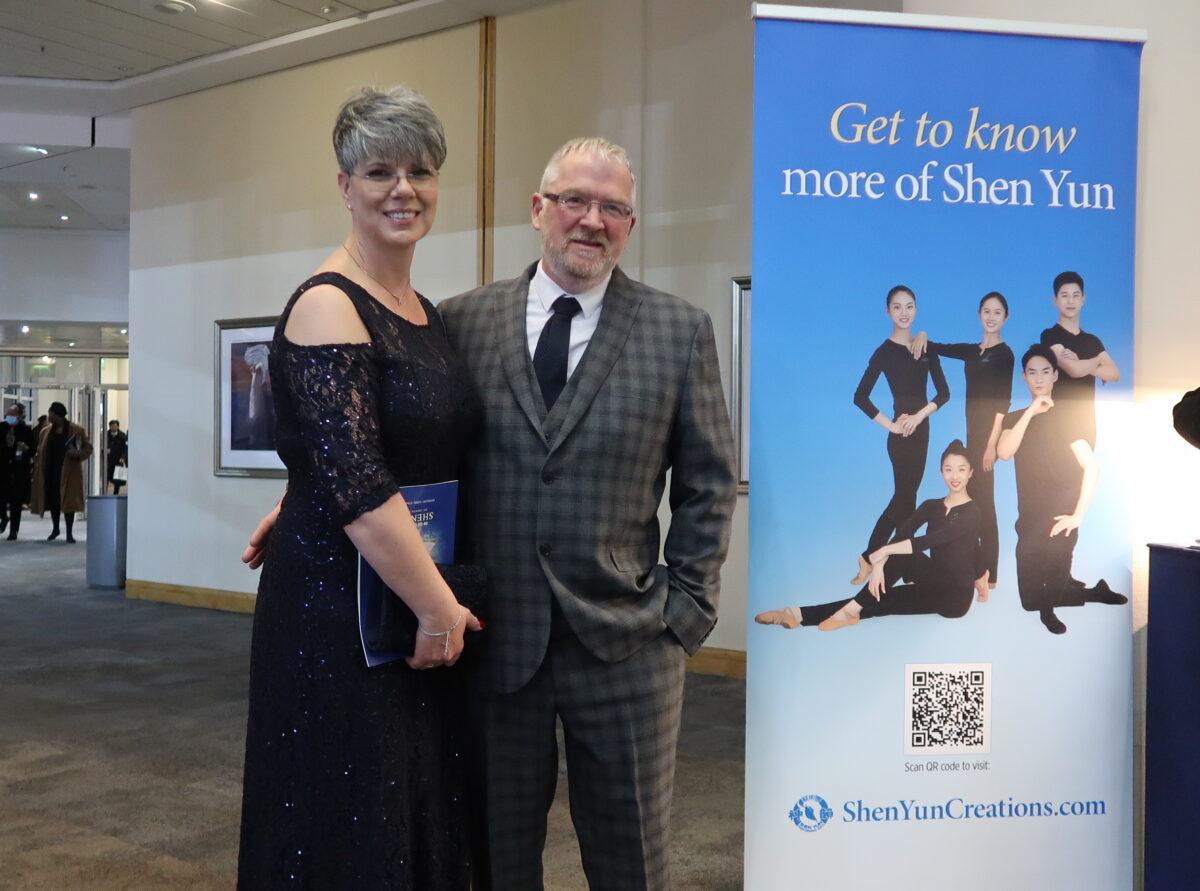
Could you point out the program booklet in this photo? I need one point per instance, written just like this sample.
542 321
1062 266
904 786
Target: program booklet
386 626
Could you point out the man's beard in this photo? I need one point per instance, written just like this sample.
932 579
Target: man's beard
577 268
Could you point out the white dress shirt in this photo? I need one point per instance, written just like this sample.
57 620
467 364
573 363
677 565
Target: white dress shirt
543 291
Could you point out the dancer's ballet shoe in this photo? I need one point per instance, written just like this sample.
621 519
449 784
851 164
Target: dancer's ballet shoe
864 572
833 623
787 617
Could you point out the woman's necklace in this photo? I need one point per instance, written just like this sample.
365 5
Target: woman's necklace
362 269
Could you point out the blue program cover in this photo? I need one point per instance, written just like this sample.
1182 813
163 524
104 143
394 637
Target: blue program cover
382 616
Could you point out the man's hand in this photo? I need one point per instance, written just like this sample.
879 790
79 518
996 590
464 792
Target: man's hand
1066 523
256 548
1041 405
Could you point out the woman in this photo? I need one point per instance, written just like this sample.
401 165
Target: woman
940 584
908 434
58 470
353 775
17 447
989 371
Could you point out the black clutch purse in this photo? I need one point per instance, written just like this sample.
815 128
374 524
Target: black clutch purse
389 628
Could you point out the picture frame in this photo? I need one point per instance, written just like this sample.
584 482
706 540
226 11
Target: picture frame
243 408
739 366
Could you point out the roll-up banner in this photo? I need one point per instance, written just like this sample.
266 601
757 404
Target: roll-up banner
940 558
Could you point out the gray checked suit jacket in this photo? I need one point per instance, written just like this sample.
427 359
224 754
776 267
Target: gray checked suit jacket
565 505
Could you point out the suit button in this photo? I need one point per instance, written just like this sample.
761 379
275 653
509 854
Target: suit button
548 438
548 477
544 550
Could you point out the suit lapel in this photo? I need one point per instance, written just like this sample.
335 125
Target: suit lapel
514 349
612 330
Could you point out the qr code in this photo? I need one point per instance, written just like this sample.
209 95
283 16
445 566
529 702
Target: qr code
947 709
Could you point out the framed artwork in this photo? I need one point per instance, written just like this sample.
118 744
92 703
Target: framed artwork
740 371
244 410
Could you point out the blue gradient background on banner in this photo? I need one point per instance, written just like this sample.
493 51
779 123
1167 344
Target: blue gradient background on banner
825 710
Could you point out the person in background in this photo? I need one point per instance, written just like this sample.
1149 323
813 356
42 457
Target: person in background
16 462
118 451
58 470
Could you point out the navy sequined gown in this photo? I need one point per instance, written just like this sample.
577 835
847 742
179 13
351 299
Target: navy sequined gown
354 776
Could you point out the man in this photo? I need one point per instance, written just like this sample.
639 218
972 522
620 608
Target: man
594 386
117 449
1080 355
16 466
1056 478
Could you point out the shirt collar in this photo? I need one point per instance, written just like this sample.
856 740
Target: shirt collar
545 290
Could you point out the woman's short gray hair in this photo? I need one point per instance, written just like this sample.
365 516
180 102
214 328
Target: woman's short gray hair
588 145
396 126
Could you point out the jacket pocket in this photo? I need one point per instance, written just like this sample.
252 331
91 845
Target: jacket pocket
635 558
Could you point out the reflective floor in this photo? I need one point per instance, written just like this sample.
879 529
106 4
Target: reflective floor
122 726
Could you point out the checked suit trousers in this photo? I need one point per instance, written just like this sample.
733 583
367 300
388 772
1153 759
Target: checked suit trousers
620 725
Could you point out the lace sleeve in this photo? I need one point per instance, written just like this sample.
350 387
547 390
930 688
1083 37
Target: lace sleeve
333 389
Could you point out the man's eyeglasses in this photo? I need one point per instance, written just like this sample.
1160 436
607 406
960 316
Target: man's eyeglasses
381 179
577 205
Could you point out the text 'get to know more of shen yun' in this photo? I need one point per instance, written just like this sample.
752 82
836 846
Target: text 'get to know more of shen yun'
959 183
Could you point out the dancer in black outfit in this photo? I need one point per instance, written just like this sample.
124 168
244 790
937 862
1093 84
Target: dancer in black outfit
908 434
1080 355
989 371
1056 478
940 584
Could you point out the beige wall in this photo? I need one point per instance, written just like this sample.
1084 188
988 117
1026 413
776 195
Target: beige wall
234 204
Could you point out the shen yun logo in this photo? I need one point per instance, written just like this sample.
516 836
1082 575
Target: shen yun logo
810 813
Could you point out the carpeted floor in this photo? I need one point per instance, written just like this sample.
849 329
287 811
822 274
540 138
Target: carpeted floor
121 734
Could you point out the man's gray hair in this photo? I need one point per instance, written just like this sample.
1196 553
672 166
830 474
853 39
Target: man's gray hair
589 145
396 126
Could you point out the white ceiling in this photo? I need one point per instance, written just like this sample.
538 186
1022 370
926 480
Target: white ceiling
107 40
70 69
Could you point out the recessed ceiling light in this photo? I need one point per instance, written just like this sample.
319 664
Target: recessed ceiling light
124 330
64 217
33 196
37 149
24 329
328 10
172 7
47 359
71 343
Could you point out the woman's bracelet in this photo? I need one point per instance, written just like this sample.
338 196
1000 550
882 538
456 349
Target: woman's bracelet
444 634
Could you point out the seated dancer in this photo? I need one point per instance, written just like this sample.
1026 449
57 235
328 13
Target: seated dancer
940 584
1056 478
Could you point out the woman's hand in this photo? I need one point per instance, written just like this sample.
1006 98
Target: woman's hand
875 585
909 423
256 548
919 344
878 557
989 458
442 644
897 426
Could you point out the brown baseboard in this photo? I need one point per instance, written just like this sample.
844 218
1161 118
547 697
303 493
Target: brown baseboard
187 595
709 660
714 660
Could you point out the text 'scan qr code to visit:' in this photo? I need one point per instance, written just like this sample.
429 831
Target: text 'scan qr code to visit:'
948 709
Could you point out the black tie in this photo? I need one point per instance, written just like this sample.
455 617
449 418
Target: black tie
550 357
